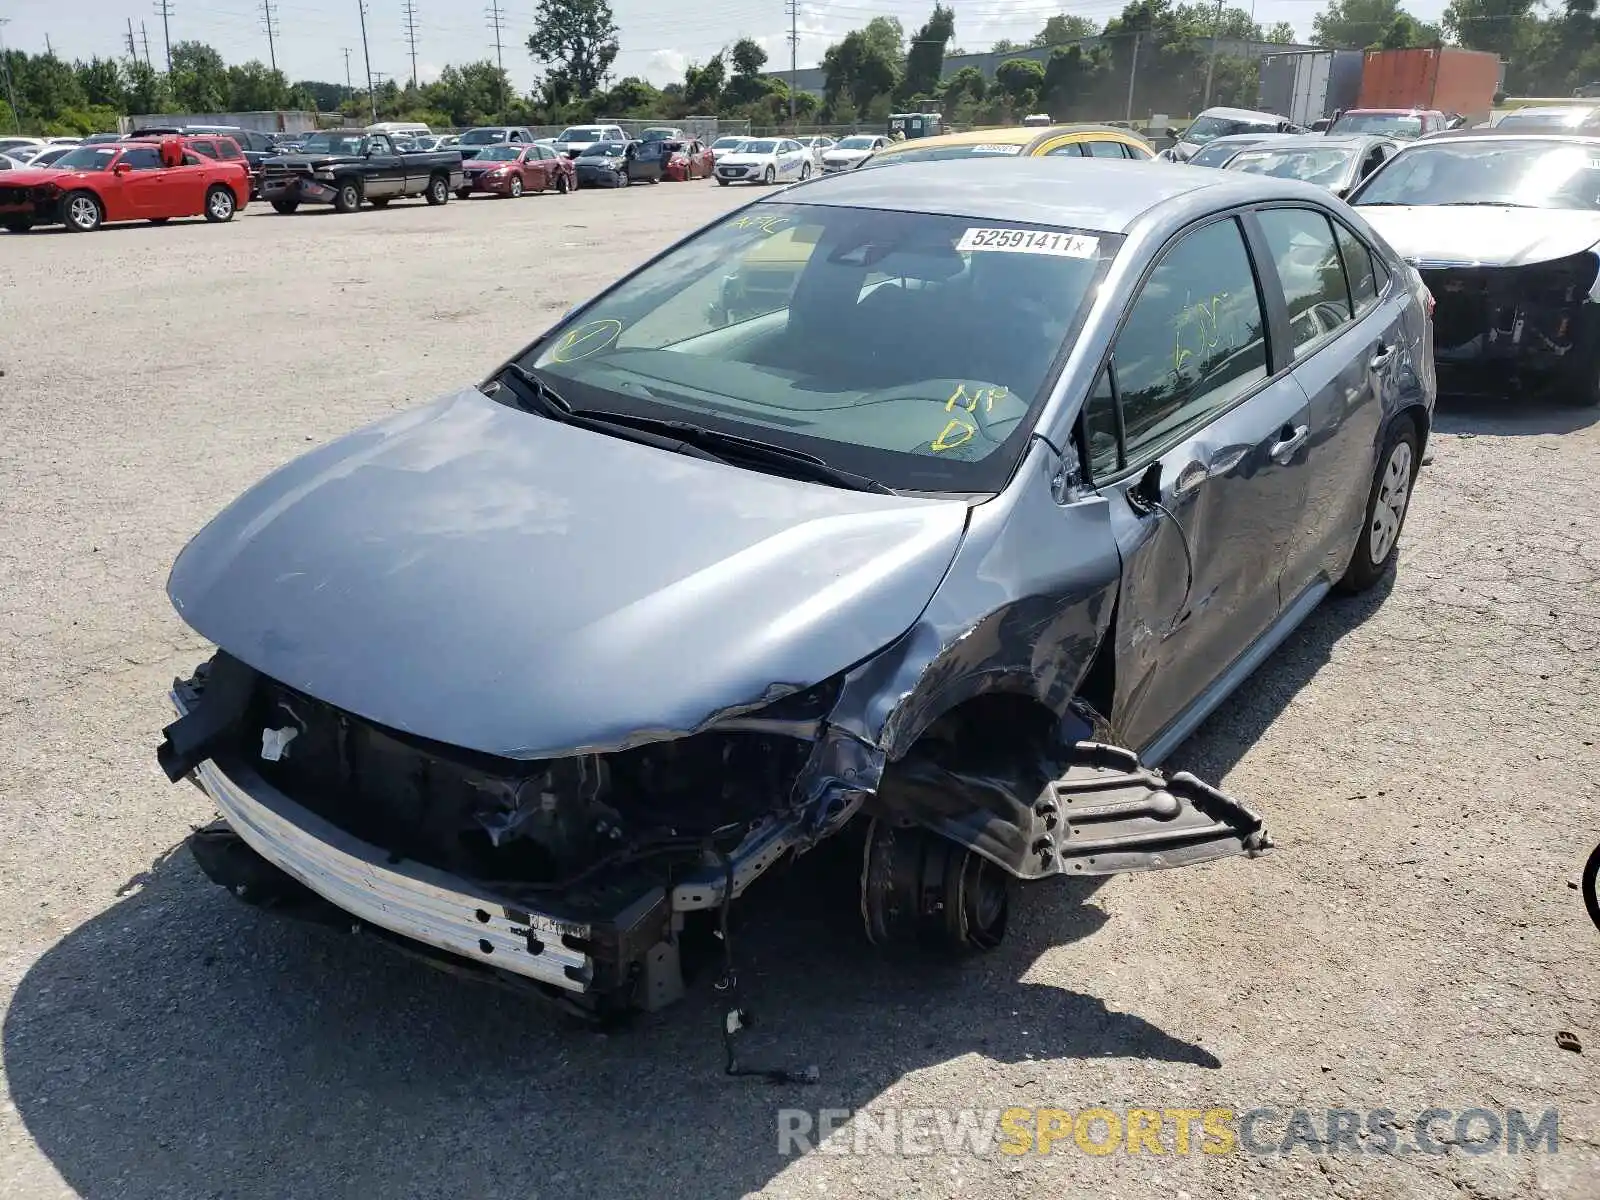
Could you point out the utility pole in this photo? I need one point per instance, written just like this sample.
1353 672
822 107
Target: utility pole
269 17
164 7
411 37
144 36
348 85
11 92
497 20
133 50
49 50
366 54
1211 63
794 55
1133 73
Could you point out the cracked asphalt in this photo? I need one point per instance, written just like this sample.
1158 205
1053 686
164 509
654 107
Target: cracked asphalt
1426 756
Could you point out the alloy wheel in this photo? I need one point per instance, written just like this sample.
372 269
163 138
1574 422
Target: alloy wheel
1394 494
221 205
84 212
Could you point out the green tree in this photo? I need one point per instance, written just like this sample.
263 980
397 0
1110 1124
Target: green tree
925 59
702 86
576 41
747 57
101 80
1361 23
748 85
1504 27
857 71
255 87
1006 46
199 78
1020 81
1071 78
1063 28
472 94
147 91
888 37
45 86
1281 34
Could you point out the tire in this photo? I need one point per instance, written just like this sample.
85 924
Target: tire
1387 505
516 187
769 177
563 184
721 182
220 204
81 212
805 172
463 193
348 198
19 224
1589 884
625 180
438 191
286 207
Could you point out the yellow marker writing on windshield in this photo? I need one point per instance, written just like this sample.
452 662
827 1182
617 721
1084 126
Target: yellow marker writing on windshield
958 430
586 339
985 396
765 224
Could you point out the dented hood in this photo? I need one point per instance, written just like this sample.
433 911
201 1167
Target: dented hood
1480 236
501 582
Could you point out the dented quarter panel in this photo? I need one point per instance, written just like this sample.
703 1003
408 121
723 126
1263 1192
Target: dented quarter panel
1023 610
531 590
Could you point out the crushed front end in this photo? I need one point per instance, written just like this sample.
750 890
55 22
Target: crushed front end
574 874
1532 324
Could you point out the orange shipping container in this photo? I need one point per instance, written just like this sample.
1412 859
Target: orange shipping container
1444 78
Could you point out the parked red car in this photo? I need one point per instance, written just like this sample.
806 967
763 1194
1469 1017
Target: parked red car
511 168
123 181
689 160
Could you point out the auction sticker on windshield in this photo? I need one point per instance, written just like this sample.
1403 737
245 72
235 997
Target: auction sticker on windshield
1030 241
996 148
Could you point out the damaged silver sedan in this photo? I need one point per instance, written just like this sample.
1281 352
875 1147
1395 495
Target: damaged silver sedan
986 495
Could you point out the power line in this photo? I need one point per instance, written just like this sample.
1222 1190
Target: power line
164 7
411 37
269 17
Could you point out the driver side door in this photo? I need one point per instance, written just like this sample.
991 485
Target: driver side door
1195 437
386 170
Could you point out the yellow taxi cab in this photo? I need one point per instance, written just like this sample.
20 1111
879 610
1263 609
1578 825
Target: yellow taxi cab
1091 141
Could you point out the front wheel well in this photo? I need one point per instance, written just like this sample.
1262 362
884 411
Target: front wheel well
1418 416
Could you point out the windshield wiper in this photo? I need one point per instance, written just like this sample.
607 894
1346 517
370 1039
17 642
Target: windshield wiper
1482 204
732 447
535 395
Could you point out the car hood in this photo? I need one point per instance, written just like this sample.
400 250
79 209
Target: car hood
33 176
1491 237
739 159
487 578
310 162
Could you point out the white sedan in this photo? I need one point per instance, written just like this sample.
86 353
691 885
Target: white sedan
7 163
852 151
764 160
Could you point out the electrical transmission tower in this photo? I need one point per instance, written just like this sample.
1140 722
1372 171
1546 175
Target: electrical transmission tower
497 22
411 38
269 18
164 7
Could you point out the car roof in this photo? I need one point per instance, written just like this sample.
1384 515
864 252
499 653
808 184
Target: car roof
1489 133
1109 195
1240 114
1551 110
1390 112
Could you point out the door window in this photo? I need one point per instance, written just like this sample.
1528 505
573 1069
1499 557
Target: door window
1194 341
1309 266
1075 149
142 158
228 149
1104 149
1358 268
209 149
1137 153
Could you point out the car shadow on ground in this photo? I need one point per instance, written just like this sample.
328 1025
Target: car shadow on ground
182 1044
1511 417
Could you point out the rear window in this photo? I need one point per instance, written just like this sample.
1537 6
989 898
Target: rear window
942 336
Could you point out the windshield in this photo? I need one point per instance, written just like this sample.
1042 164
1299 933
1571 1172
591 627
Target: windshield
333 143
727 143
1508 171
1527 119
87 158
942 335
765 147
855 143
605 150
1207 129
583 133
894 157
1218 153
1392 124
483 137
1326 167
500 154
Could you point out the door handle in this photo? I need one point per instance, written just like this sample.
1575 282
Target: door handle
1380 360
1189 479
1290 439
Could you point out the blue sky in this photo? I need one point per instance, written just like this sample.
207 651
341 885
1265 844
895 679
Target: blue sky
658 37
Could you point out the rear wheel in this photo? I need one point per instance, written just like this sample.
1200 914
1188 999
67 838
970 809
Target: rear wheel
805 171
285 206
81 212
220 204
438 191
563 184
1387 505
348 198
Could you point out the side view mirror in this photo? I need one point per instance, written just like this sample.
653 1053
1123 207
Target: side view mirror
121 169
1174 134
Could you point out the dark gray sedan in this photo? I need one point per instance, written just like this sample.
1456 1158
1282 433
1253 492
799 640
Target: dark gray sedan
548 672
1335 161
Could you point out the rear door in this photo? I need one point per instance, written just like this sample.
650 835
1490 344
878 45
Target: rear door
1348 349
1197 390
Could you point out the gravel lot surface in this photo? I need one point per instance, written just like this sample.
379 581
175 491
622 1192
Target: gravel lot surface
1426 756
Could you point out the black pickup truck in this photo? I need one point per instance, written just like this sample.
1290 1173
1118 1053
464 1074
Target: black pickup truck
343 167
